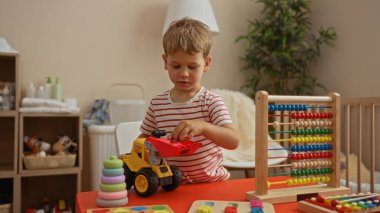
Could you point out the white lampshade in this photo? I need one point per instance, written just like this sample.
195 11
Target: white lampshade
200 10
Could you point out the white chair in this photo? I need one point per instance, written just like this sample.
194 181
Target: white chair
125 133
242 111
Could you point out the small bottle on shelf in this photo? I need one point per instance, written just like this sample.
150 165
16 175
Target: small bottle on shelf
41 93
57 90
31 90
49 87
6 104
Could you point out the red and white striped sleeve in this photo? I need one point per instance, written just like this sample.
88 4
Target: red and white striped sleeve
149 123
218 111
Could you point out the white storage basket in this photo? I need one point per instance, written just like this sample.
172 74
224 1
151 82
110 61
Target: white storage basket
126 110
123 110
102 145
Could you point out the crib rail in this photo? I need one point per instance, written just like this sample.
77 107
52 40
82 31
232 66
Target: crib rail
360 119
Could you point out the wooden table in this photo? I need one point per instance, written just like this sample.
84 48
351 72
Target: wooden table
181 199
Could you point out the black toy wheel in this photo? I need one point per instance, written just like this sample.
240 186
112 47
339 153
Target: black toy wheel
146 182
176 179
129 175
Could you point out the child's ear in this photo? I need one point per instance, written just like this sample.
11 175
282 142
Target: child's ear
165 59
207 63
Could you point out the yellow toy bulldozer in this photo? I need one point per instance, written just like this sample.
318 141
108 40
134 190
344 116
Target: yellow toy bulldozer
146 169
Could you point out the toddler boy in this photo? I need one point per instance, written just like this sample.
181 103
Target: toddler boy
188 110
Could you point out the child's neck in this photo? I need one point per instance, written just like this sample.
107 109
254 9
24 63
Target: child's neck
179 96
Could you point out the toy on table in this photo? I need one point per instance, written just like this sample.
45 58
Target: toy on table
209 206
310 127
168 148
146 169
133 209
112 191
362 202
257 206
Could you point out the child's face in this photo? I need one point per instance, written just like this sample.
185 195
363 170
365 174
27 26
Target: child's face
186 70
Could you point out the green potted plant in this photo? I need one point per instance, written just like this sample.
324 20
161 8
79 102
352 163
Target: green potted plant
279 48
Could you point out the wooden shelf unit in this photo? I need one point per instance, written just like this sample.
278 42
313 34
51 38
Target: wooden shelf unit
8 145
9 130
53 186
48 182
23 187
48 127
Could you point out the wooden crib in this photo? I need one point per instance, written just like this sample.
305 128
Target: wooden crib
360 122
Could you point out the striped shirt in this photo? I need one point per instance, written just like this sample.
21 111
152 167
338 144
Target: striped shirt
205 164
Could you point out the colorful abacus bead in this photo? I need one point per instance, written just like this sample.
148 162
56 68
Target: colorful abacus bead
113 191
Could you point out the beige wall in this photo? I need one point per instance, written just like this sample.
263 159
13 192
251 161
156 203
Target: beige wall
352 67
91 44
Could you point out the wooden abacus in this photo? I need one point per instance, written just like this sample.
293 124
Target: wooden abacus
321 111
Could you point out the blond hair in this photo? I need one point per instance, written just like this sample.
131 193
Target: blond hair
188 35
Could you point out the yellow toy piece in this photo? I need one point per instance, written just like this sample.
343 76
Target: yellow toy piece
204 209
121 210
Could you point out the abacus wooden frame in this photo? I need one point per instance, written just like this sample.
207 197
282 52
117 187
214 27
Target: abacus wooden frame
261 150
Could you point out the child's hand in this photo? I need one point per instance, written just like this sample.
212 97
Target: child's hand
187 130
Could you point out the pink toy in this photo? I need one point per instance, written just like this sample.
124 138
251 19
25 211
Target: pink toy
257 204
112 195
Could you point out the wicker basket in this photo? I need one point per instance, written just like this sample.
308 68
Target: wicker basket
102 145
6 208
49 162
